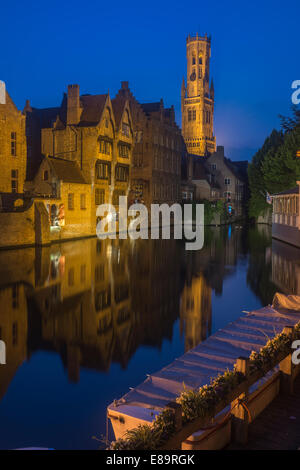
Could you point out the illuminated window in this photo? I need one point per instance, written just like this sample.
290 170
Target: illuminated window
102 170
105 147
71 201
99 196
122 173
13 144
123 151
82 201
14 181
125 129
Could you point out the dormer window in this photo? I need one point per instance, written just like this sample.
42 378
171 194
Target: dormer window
125 129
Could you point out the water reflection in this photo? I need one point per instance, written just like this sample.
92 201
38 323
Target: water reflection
95 303
286 267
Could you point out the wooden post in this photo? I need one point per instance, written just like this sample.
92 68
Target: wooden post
287 368
240 417
177 411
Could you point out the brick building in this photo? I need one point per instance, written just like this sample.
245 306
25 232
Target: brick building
156 161
218 178
12 151
90 130
60 185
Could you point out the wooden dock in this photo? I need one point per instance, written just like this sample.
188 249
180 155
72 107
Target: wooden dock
205 362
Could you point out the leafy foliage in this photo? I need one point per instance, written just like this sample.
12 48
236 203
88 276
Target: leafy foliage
257 204
275 166
201 403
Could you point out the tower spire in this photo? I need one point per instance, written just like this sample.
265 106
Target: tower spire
197 97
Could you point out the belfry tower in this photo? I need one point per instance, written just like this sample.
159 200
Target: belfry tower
197 98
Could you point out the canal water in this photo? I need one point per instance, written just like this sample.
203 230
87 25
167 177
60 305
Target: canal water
84 321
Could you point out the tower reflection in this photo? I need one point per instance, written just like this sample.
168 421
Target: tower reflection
97 302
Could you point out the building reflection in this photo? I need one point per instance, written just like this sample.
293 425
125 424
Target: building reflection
13 331
195 311
96 302
286 267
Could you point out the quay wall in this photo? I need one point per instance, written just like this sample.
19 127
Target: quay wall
17 228
286 233
30 226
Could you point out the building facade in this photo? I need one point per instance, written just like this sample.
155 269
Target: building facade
218 178
156 161
92 131
60 185
197 98
13 152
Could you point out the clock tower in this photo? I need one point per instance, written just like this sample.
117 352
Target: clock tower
197 98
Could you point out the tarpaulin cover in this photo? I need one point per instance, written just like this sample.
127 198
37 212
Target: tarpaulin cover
211 357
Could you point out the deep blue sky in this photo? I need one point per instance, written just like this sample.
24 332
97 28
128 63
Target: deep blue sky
255 55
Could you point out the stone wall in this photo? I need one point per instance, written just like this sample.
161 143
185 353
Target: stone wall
286 233
17 228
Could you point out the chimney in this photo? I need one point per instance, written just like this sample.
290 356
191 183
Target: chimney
2 92
27 108
73 106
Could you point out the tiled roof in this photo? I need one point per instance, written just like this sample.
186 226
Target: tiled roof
46 116
118 105
92 109
151 107
294 190
66 170
239 169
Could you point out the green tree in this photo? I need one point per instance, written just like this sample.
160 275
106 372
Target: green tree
257 185
281 169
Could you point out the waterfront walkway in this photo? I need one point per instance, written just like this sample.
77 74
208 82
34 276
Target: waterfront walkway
278 426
